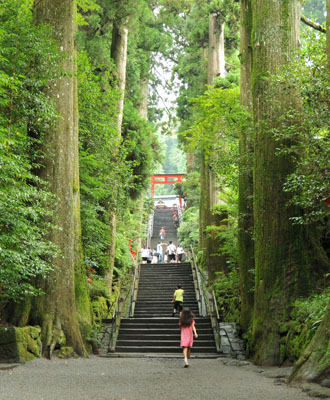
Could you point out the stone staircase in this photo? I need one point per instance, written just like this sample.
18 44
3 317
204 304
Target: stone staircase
153 329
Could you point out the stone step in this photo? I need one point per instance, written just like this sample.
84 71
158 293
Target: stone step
162 306
160 338
133 330
159 343
165 322
172 349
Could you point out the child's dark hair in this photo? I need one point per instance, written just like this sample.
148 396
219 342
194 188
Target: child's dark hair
186 317
179 286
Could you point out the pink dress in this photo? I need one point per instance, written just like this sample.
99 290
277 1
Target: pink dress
187 338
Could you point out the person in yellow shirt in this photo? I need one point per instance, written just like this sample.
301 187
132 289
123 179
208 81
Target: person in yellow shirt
178 300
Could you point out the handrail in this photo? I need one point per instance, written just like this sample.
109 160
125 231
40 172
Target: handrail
179 213
198 288
150 229
215 305
119 304
115 313
135 286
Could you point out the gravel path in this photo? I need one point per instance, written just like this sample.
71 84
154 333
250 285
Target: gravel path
140 379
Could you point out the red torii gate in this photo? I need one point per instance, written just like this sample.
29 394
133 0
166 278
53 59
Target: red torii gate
165 179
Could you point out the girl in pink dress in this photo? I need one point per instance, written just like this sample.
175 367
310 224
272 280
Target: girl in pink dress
187 325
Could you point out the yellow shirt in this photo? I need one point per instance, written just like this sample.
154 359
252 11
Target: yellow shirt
178 294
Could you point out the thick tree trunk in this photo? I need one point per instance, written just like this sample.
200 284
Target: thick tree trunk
204 220
144 94
245 204
119 55
216 60
282 265
81 290
57 309
314 363
204 185
216 67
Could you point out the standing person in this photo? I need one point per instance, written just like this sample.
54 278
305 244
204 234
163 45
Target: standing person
179 253
187 325
171 250
178 300
144 254
159 250
154 256
149 259
162 233
175 221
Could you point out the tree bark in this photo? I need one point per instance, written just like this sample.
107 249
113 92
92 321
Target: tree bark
282 265
314 364
204 185
119 55
216 67
245 202
57 309
83 302
216 59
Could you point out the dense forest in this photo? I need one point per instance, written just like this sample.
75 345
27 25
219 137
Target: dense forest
82 128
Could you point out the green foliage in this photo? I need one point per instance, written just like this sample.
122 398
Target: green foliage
227 232
190 188
188 229
315 9
227 284
141 149
217 119
227 292
307 140
123 258
27 63
305 317
98 176
84 6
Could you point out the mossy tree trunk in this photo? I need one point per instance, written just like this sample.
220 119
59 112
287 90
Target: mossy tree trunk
204 185
83 302
119 55
57 310
216 67
314 363
245 204
281 260
203 206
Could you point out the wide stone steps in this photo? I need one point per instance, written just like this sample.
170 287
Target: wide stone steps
153 329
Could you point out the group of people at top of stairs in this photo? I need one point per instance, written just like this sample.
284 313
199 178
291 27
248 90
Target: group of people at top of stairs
187 324
171 254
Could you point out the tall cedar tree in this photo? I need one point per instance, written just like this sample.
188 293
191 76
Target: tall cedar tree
57 310
216 67
245 205
119 55
281 249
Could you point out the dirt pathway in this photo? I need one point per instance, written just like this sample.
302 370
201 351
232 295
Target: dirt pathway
140 379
